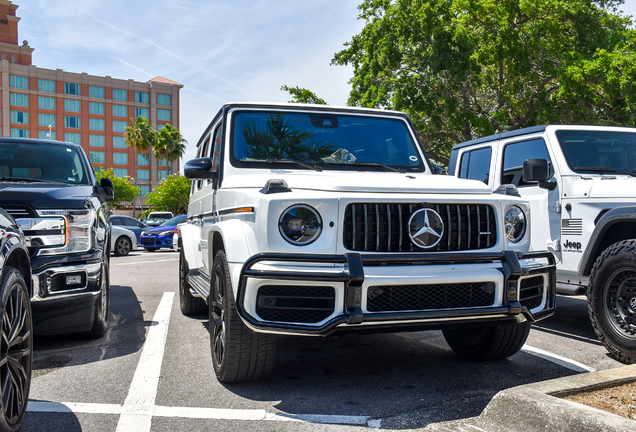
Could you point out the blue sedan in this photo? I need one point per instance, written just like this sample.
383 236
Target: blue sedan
161 236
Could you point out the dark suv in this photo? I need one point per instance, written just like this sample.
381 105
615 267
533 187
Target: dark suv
50 189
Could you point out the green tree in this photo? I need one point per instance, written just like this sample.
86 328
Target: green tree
301 95
172 194
140 136
169 144
462 69
124 191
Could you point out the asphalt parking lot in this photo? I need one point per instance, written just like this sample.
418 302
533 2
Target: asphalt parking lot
153 371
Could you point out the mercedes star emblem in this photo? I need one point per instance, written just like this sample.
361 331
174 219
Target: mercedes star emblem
426 228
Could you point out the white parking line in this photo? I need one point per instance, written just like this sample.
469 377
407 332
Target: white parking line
554 358
144 262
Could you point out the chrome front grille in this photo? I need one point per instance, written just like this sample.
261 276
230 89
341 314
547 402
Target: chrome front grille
383 227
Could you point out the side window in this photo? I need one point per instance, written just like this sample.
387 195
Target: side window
203 151
514 155
115 220
475 164
216 149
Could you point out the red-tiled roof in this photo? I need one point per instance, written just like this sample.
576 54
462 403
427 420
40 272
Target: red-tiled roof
164 80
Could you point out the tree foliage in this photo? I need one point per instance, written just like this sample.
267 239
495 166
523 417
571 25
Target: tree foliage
301 95
124 191
169 144
172 194
139 134
462 69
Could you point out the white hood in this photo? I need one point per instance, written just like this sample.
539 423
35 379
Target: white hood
621 187
341 181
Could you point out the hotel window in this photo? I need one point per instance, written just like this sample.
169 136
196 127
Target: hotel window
97 140
72 122
19 99
96 92
96 124
45 102
75 138
163 114
143 174
17 81
19 133
142 112
162 174
120 158
145 190
19 117
121 95
161 126
97 157
71 89
163 99
119 126
96 108
143 159
44 134
141 97
72 105
46 119
120 172
119 142
46 85
98 169
120 110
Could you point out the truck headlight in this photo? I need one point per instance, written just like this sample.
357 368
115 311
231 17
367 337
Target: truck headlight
78 230
300 224
515 222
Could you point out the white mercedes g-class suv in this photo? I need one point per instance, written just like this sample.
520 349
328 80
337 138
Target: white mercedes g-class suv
312 220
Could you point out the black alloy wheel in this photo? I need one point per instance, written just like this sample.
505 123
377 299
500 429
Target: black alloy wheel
123 246
16 348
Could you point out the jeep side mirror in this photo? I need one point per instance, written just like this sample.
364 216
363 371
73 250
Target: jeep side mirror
197 169
107 188
538 170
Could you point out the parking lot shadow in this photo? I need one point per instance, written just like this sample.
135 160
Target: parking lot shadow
570 320
126 334
405 379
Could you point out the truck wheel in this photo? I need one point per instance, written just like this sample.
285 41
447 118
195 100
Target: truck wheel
17 349
611 300
488 343
123 246
190 305
238 353
102 306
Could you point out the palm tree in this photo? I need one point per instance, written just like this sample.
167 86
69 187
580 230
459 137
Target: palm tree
170 144
141 137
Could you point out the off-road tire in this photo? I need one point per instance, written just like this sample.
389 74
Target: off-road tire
488 342
189 304
123 246
102 306
238 353
17 349
611 300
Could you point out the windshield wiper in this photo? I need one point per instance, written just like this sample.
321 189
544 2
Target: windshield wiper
370 164
284 161
606 169
21 179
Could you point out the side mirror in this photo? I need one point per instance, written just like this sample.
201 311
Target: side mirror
107 188
197 169
438 170
538 170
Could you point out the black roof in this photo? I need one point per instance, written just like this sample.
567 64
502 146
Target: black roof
509 134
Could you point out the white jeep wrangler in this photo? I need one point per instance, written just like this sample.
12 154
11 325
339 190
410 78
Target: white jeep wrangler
311 220
581 186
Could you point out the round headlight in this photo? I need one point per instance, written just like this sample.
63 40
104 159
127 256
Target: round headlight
515 221
300 225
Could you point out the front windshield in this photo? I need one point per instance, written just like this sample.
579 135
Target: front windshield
613 150
36 162
331 141
175 221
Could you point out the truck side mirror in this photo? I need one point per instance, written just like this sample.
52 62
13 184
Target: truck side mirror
197 169
108 188
537 170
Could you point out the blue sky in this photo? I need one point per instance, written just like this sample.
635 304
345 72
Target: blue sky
221 51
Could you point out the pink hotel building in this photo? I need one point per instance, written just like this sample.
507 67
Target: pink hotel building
92 111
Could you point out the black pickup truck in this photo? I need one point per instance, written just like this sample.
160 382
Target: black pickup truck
52 192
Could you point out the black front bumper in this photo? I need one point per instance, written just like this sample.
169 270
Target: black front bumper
352 318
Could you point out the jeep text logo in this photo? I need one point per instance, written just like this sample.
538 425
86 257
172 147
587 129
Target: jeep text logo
571 246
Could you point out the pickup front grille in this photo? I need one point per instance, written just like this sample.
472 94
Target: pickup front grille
397 298
383 227
295 304
19 211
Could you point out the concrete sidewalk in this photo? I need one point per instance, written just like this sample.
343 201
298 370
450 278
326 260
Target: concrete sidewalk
538 407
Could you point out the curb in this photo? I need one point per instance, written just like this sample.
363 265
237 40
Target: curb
538 407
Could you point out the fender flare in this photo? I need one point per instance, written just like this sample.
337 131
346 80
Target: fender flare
604 224
239 240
